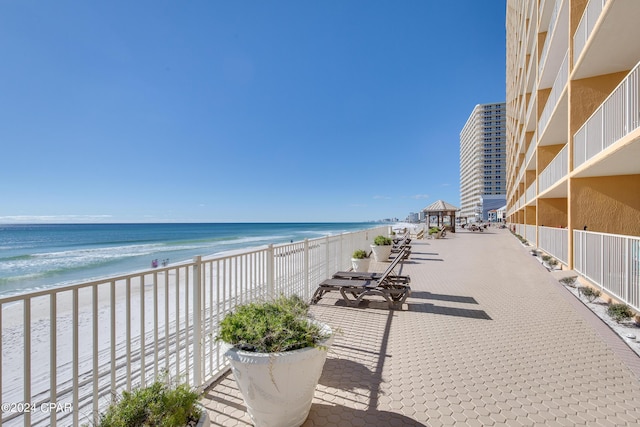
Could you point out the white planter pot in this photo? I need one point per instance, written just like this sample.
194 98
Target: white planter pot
204 418
381 253
278 388
360 265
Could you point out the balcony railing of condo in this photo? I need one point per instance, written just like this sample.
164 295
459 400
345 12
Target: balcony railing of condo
82 344
554 96
615 118
555 171
554 241
610 261
585 27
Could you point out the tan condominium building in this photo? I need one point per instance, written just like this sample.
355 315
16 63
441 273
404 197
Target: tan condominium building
573 136
482 163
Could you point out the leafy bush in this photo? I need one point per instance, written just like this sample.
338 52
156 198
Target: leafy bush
552 262
359 254
156 405
433 230
381 241
619 312
590 293
268 327
546 258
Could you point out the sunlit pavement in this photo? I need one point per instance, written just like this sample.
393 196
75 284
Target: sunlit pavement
488 337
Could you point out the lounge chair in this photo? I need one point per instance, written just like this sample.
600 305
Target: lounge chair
354 290
401 241
388 273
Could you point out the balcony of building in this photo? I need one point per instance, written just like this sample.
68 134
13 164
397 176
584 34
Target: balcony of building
555 45
554 115
606 39
609 141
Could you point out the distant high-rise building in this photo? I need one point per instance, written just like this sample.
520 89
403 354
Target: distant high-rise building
482 162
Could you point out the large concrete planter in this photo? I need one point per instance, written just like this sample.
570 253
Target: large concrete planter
204 418
278 388
381 253
360 265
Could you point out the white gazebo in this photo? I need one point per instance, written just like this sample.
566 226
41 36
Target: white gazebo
442 209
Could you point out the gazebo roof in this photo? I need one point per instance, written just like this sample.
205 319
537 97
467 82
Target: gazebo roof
440 206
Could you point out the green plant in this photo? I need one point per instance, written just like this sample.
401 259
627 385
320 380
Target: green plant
590 293
158 404
619 312
359 254
546 258
381 241
552 262
433 230
268 327
569 281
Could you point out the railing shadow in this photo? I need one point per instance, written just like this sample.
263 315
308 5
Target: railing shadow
443 297
448 311
370 417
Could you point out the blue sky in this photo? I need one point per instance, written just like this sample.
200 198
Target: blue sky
154 111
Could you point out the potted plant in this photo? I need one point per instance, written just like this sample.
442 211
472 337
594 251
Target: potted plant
381 248
360 261
276 354
159 404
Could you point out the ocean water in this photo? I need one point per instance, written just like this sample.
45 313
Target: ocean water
44 255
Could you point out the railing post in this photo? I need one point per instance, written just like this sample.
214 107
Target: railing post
270 272
197 321
601 261
327 271
627 268
307 289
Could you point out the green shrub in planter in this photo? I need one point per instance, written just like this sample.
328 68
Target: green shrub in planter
590 293
158 404
433 230
359 254
268 327
381 241
546 258
619 312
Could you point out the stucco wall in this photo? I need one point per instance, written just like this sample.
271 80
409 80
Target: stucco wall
587 94
553 212
609 204
546 153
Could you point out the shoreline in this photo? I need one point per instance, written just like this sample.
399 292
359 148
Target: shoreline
178 249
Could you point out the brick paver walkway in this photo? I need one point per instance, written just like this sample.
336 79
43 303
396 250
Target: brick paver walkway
488 337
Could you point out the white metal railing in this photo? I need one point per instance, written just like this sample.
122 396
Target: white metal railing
531 192
618 116
588 21
555 242
554 96
530 150
530 233
79 345
555 171
547 41
610 261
